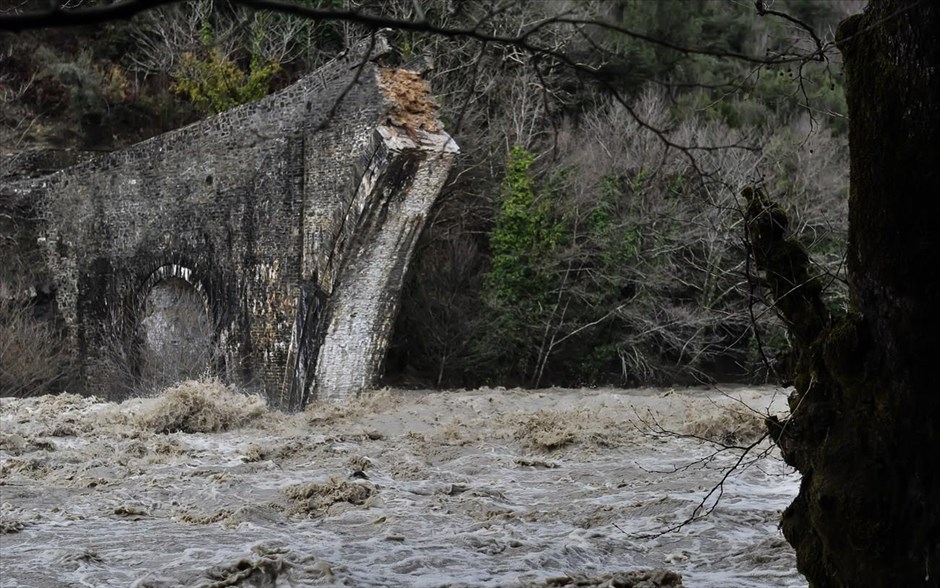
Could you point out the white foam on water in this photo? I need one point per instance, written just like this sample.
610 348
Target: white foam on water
477 488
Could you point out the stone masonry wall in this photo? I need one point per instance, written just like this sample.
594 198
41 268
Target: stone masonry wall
266 212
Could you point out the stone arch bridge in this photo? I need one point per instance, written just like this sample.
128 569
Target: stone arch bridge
291 221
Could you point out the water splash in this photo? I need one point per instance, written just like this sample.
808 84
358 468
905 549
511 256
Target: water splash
479 488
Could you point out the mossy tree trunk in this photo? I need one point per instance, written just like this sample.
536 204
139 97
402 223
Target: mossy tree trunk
864 429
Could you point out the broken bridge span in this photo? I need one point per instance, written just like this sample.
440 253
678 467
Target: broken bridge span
288 222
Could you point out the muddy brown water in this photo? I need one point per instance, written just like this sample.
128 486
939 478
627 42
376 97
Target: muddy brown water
203 486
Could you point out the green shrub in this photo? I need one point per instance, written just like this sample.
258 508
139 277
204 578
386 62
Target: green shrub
519 285
214 83
522 238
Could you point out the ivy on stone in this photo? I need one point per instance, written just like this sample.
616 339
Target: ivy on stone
523 237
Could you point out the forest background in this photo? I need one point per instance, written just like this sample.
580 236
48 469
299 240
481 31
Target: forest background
592 232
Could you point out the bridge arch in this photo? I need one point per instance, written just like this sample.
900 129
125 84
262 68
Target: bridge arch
175 329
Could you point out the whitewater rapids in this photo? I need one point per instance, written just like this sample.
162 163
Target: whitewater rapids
204 486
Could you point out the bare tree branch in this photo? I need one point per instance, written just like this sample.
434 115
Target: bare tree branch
57 17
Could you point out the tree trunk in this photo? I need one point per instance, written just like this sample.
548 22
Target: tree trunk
865 417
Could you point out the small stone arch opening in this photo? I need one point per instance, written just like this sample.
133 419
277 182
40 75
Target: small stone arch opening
176 333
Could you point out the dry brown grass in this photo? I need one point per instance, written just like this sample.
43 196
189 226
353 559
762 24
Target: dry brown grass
33 358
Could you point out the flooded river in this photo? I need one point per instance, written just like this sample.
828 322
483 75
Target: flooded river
205 487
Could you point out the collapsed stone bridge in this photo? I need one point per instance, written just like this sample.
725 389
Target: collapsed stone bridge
287 224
